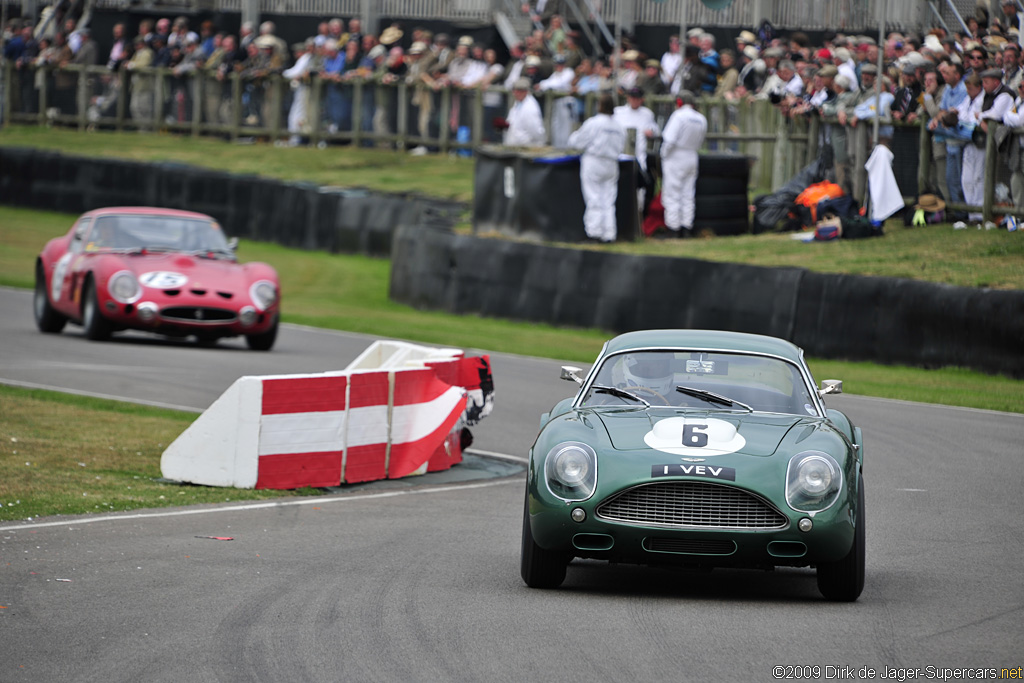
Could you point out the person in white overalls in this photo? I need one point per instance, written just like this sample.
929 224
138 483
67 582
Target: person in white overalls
601 139
683 136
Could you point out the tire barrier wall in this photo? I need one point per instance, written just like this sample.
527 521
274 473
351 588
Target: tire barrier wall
397 410
539 198
301 215
885 320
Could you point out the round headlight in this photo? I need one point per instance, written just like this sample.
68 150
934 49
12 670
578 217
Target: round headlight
263 294
124 287
813 481
571 470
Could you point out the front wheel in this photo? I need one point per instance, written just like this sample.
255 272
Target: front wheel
47 318
96 326
264 341
843 580
539 568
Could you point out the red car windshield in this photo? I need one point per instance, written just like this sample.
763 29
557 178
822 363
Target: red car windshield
164 233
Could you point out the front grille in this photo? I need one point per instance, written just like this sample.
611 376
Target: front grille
686 546
691 504
198 314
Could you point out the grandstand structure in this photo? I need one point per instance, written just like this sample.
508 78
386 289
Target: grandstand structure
602 19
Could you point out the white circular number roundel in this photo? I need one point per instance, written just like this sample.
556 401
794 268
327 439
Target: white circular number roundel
162 279
704 436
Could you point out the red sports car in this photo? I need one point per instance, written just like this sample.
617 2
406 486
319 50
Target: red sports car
169 272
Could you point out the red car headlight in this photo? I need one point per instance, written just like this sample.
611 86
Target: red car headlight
263 294
124 287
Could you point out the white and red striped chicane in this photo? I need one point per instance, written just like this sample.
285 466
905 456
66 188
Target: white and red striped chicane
327 430
291 431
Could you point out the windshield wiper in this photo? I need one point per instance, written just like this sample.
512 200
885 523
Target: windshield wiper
615 391
712 397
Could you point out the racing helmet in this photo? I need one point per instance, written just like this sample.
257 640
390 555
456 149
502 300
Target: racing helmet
651 369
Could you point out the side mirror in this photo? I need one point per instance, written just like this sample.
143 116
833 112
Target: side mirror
572 374
830 386
233 244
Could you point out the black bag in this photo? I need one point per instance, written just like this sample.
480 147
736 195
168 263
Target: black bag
857 227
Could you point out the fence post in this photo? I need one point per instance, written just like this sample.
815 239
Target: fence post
991 157
924 158
8 87
313 111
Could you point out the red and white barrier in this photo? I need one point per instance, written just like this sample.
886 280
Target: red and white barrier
397 410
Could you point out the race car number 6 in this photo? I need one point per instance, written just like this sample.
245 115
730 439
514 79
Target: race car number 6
796 672
692 436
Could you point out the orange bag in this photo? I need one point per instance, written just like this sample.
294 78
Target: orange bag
816 193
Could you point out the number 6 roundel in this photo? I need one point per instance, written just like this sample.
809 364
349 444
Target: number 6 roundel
705 436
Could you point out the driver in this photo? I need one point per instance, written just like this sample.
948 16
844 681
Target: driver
650 370
105 235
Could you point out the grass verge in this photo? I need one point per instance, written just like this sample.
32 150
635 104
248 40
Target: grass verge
62 454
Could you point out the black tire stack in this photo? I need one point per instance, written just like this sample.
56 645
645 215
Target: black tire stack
722 203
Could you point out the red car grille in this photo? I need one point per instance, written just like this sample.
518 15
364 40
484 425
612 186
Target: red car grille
691 504
198 315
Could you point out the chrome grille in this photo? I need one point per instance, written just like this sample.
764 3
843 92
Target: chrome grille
197 314
691 504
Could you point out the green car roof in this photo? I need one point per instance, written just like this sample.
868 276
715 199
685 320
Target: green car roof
705 339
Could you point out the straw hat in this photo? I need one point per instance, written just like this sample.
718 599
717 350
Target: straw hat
392 34
930 203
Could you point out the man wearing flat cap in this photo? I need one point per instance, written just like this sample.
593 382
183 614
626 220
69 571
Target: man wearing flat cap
998 99
525 123
649 81
683 137
907 96
634 115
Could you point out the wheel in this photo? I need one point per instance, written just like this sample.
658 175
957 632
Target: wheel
721 207
96 326
843 581
47 318
263 341
724 165
539 568
709 185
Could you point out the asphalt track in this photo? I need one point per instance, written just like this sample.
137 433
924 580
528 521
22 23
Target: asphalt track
421 582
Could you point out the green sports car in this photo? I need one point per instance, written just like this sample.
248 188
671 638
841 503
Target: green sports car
700 449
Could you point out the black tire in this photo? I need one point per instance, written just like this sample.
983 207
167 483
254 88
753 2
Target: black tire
97 328
736 165
264 341
843 581
48 320
539 568
709 185
721 207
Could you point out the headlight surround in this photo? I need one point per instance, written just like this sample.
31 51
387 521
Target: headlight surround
124 287
263 294
813 481
570 470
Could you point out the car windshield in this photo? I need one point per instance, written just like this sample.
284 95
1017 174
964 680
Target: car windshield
697 379
157 233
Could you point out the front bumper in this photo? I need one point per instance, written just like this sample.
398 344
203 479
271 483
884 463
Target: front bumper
829 539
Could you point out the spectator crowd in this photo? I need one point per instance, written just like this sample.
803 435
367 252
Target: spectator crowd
956 85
